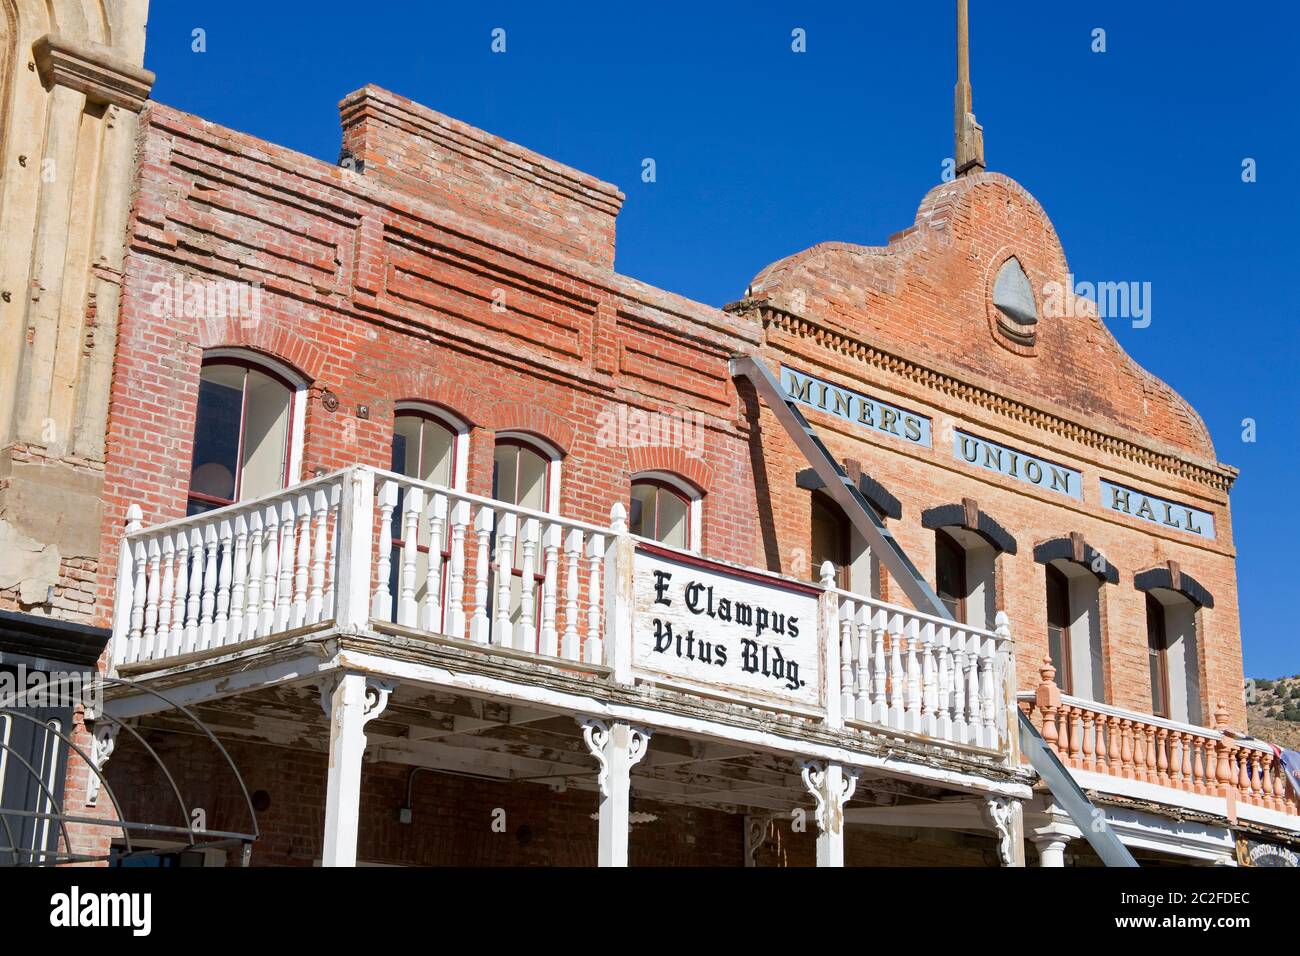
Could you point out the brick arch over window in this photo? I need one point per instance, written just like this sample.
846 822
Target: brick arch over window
1075 549
414 385
675 461
968 515
875 493
269 338
522 417
1172 578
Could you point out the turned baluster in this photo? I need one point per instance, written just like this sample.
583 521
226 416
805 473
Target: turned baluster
319 556
149 633
897 681
912 720
163 641
1202 759
1076 736
862 623
382 605
526 627
1114 751
480 625
1175 760
929 688
1088 747
1162 755
253 600
943 680
550 645
1139 751
454 620
238 581
302 562
431 605
569 644
879 673
846 657
594 649
1047 699
1126 749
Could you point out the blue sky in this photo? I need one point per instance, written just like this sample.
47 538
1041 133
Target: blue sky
1135 153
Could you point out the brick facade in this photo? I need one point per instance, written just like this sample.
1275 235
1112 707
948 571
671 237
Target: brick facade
467 273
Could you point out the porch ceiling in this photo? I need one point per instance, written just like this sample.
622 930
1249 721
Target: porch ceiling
471 736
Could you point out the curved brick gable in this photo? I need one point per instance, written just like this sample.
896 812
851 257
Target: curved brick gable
925 298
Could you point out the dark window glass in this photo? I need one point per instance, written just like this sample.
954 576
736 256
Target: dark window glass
1157 657
1058 627
830 540
950 574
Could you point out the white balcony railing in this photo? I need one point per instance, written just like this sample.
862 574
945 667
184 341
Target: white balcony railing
921 674
365 548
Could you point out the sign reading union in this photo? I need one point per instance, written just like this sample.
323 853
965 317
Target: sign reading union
1017 464
726 630
855 407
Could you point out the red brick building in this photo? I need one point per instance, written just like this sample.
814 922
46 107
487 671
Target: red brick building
401 441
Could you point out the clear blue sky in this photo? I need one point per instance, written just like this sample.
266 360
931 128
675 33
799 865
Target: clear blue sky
1135 154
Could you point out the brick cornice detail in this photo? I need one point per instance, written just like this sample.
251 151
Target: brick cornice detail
91 69
1219 480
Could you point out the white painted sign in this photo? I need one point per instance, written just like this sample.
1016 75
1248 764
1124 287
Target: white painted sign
855 407
731 632
1167 514
1016 464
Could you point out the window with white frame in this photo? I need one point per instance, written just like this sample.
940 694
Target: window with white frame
666 509
1173 658
247 431
428 445
525 473
1074 638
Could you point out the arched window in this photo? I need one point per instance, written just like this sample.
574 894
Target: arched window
427 446
246 432
526 473
666 510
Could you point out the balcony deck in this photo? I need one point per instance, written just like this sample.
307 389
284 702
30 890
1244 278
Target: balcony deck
372 571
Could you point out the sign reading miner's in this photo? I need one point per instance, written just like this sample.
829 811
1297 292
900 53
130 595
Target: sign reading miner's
855 407
734 632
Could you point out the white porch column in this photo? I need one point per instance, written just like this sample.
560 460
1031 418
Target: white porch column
1051 850
350 701
832 786
1051 838
1006 817
617 747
